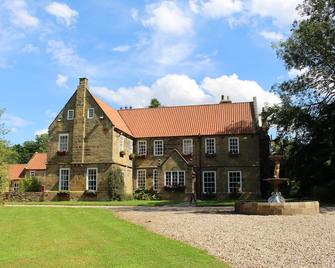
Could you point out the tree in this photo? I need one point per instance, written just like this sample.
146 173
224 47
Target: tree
116 184
305 119
154 103
26 151
5 156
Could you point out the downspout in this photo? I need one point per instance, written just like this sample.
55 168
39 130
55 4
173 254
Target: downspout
199 177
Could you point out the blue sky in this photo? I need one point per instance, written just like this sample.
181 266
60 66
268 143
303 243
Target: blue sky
182 52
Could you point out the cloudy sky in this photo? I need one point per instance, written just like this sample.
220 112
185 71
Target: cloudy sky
181 52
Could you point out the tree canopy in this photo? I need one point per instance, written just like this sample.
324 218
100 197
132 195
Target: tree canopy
305 119
28 148
154 103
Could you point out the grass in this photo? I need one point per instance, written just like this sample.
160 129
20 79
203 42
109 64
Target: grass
102 203
215 203
79 237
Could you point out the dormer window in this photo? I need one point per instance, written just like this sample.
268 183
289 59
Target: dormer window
70 114
90 113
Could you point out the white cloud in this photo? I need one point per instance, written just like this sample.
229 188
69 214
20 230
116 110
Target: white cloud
20 15
62 12
272 36
282 12
216 8
168 18
15 121
134 14
40 132
67 56
176 89
61 80
123 48
29 48
238 90
295 72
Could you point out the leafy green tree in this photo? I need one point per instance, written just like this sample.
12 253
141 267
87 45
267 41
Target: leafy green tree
30 184
116 184
154 103
5 157
26 151
305 120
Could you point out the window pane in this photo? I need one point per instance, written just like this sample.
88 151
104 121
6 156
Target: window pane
235 181
92 179
210 146
155 180
209 182
234 145
187 146
142 147
158 147
141 178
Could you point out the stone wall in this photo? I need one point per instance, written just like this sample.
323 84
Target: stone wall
53 196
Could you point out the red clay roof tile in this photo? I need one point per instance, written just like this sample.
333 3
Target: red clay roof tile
16 171
211 119
37 162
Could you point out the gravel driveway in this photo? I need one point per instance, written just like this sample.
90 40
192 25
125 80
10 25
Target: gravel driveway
245 241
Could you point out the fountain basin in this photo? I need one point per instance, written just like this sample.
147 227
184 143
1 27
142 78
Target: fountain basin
288 208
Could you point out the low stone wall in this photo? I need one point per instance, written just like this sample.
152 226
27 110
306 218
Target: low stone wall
289 208
53 196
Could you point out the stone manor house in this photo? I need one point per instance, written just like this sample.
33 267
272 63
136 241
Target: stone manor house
211 151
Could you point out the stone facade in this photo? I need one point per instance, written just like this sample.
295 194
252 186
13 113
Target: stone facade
97 143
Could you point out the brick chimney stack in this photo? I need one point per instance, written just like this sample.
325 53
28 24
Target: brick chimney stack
79 122
223 100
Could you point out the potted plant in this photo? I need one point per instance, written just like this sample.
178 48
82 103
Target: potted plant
90 192
131 156
122 153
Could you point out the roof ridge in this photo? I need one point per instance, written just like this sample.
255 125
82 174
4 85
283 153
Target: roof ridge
189 105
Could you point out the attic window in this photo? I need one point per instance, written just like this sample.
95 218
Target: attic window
70 114
90 113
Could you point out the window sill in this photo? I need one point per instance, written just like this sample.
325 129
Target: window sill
210 155
234 154
61 152
90 192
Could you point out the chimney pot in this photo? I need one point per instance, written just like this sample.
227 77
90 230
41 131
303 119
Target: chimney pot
222 97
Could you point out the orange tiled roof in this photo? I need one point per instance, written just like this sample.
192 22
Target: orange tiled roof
114 116
16 171
211 119
37 162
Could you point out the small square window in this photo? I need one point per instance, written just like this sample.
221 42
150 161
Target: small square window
90 113
70 114
32 173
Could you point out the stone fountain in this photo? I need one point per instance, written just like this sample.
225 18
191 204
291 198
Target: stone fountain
276 196
276 204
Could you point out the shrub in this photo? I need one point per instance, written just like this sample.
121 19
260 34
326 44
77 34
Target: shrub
143 194
4 182
116 184
30 184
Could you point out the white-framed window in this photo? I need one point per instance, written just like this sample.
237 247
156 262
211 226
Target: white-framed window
141 147
155 180
32 173
141 178
158 147
91 179
209 182
121 145
187 146
174 178
234 181
63 142
234 145
64 178
90 113
15 186
70 114
210 146
130 146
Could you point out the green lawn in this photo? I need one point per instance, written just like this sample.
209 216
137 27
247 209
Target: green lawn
102 203
79 237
